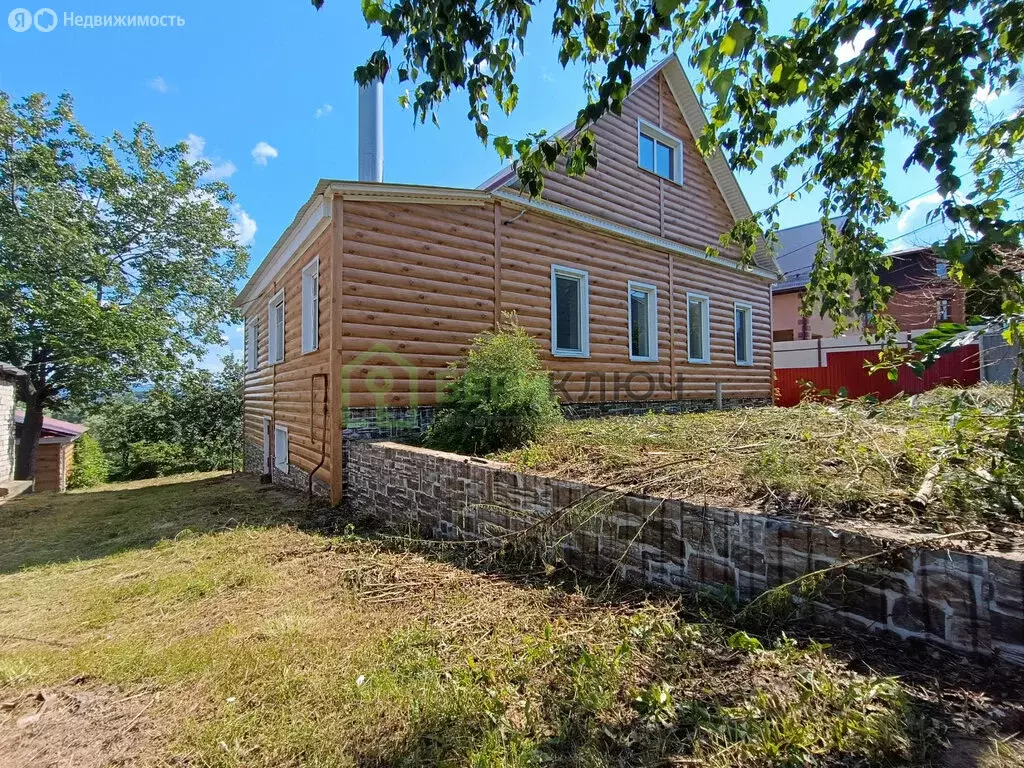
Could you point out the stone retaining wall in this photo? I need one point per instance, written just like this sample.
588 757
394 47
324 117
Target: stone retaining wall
964 601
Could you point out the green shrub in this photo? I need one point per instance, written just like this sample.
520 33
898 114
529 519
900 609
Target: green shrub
89 465
153 459
502 400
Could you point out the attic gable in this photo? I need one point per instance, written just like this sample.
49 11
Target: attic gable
700 201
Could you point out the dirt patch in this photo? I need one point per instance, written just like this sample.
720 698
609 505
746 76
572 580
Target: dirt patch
81 723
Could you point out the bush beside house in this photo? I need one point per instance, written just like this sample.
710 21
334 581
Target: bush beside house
501 400
90 465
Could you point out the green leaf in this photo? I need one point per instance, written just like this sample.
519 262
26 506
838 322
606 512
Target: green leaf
722 84
503 145
735 39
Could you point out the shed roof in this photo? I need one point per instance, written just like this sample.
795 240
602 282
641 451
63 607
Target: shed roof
10 371
54 427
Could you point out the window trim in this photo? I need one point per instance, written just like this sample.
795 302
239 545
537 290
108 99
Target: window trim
252 344
277 298
652 320
310 270
738 305
278 464
584 311
706 300
644 128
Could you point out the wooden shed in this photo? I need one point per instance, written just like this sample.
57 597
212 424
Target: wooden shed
56 452
354 315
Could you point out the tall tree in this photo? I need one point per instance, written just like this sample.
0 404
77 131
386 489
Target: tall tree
117 258
911 68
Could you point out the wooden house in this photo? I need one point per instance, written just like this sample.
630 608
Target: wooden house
356 312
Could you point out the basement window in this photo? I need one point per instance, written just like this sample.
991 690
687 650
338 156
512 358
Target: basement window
311 306
570 312
659 152
281 449
744 334
643 322
698 332
275 315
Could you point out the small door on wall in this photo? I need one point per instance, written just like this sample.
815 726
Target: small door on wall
266 445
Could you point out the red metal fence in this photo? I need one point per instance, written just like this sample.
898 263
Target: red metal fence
847 371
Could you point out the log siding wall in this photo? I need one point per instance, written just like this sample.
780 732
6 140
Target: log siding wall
692 213
285 392
419 281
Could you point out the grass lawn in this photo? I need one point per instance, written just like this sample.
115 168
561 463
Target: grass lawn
202 621
850 460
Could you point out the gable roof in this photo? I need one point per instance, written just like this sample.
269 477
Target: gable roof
795 253
55 427
693 114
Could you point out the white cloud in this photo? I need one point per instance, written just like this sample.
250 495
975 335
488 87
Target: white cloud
985 95
196 145
323 111
914 216
263 152
851 50
243 224
234 347
160 85
219 169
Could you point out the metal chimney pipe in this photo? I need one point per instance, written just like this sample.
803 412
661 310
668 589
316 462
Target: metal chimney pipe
371 132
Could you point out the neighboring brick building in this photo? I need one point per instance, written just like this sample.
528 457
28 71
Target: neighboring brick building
923 294
8 380
9 376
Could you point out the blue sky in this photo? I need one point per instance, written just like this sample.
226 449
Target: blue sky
264 90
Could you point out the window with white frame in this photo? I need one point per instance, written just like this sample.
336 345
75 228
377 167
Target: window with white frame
942 268
252 339
281 448
944 311
744 333
570 312
311 306
275 327
698 331
643 321
659 152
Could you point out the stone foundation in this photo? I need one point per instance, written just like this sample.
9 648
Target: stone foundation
399 423
252 461
640 407
963 601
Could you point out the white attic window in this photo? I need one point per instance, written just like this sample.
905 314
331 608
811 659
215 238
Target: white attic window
659 152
